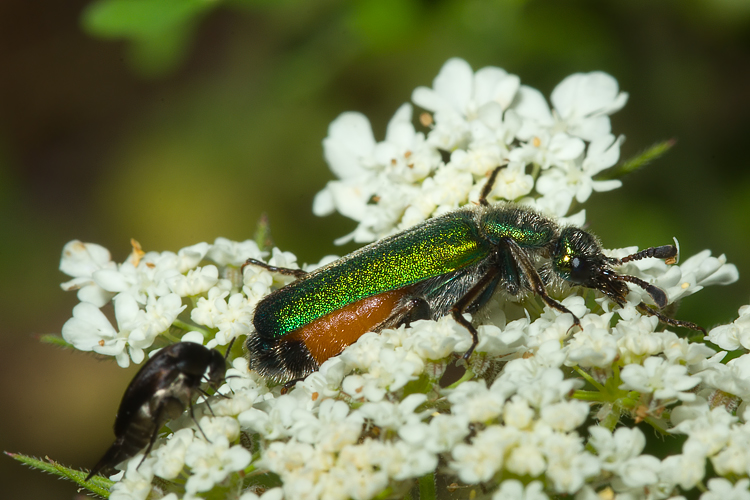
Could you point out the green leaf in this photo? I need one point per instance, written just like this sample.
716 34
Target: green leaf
637 162
98 484
384 24
160 31
141 19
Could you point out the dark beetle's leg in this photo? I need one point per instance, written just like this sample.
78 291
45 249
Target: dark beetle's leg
192 415
669 321
150 445
218 394
297 273
464 302
488 187
535 281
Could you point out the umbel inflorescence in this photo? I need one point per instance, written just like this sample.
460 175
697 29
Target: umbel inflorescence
544 410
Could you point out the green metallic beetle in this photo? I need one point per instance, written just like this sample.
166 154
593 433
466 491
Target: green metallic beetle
451 264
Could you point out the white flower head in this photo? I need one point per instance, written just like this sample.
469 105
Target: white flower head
458 95
513 489
226 252
722 489
90 330
584 101
81 261
734 335
211 463
195 282
657 376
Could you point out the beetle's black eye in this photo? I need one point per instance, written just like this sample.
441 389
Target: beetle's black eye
580 270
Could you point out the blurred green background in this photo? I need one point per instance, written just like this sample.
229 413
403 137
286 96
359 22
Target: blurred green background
177 121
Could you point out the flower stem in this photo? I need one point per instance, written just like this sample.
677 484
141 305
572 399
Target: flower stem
427 490
589 379
588 395
187 327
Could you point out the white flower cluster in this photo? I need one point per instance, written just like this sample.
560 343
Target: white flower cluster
150 290
481 120
535 416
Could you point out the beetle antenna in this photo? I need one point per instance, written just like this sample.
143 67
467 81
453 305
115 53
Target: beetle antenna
656 293
665 252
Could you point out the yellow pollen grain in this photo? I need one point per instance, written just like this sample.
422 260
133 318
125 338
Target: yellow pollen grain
536 142
685 285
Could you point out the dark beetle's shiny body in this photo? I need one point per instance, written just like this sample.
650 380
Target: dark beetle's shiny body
160 391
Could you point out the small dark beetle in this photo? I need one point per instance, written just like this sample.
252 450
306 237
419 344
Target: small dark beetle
451 264
160 391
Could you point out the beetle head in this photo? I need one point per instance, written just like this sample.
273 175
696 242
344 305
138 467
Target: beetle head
578 259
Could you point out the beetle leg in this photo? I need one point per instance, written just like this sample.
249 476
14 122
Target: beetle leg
151 442
192 415
288 386
667 320
458 309
535 281
488 187
297 273
414 309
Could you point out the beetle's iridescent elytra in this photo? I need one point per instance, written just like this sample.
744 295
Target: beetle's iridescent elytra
450 264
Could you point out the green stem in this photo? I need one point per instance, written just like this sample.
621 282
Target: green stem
612 418
170 337
589 379
178 323
658 424
535 169
427 490
589 396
